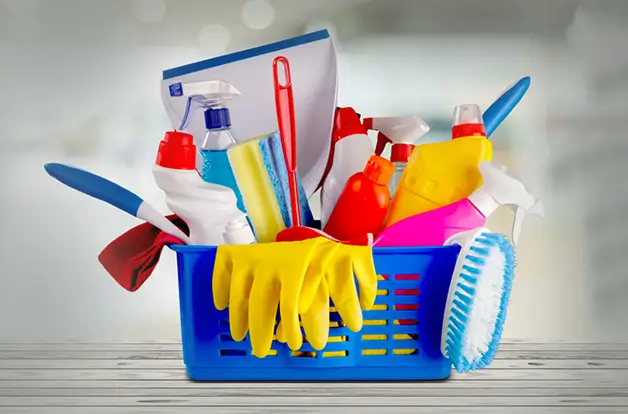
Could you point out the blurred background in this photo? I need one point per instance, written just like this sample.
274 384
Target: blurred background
81 84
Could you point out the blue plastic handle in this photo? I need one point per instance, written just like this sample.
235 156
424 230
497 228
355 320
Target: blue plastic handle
95 186
503 106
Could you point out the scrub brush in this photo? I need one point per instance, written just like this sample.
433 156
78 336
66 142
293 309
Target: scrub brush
478 299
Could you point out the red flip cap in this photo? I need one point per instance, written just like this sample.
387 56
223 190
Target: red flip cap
177 151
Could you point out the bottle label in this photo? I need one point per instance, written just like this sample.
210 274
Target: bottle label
176 89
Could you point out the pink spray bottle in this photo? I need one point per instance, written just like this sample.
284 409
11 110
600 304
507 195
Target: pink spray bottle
435 227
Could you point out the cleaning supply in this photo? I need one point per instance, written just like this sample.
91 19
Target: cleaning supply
112 193
504 104
284 104
211 97
207 208
352 148
131 258
363 204
313 59
478 299
340 264
285 118
402 132
260 169
255 280
238 232
434 227
442 173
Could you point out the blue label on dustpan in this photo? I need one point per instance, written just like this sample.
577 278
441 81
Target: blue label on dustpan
176 89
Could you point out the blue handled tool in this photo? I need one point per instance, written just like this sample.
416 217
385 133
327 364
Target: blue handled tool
504 104
98 187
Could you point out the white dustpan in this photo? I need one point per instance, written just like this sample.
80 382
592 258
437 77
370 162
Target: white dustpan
314 73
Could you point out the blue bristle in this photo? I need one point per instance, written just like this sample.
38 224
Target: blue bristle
466 299
480 250
468 278
467 289
471 269
471 274
275 162
476 260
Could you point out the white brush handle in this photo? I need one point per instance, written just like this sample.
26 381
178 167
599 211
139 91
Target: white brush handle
148 213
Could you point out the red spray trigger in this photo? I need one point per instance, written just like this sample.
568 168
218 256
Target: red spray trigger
382 140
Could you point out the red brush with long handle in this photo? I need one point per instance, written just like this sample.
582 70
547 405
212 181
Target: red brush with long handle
284 103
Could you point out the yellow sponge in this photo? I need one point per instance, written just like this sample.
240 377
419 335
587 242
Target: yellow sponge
257 191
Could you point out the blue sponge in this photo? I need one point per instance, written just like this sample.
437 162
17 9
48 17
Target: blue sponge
275 163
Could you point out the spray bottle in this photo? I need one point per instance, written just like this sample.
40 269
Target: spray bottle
442 173
211 96
350 151
402 132
210 210
435 227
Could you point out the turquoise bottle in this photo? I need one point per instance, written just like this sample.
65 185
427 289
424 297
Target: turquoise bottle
218 139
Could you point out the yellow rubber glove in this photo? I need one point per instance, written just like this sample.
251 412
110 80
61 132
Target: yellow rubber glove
340 263
254 280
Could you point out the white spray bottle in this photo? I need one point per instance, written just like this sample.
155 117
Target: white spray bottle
402 132
209 210
351 149
211 96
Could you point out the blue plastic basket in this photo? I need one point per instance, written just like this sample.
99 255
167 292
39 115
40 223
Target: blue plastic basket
394 344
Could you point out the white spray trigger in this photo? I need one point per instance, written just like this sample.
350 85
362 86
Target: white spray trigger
212 92
506 189
205 94
401 129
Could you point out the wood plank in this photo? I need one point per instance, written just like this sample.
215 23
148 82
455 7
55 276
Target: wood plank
269 409
176 346
298 401
179 374
458 383
143 355
166 364
304 390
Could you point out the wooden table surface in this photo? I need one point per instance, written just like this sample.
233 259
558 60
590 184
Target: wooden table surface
149 377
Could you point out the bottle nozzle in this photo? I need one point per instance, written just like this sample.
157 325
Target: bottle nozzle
501 188
468 122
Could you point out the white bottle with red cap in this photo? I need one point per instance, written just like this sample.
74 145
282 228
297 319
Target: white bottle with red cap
351 149
402 132
209 210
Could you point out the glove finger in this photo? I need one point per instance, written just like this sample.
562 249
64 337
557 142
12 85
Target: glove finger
288 308
263 314
241 282
316 320
364 269
342 291
315 273
291 285
280 335
221 277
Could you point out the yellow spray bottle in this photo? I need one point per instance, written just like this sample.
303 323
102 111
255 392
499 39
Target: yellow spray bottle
442 173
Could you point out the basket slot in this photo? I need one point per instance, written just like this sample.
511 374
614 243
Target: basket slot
233 353
411 276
